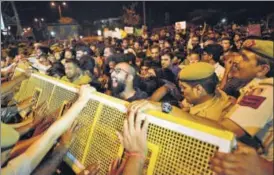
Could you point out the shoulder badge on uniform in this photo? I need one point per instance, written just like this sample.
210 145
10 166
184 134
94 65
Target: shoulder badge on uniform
252 101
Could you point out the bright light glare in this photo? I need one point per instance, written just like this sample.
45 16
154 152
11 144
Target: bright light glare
52 33
99 32
42 19
223 20
35 19
52 4
64 3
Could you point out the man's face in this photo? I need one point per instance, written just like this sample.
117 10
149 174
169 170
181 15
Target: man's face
93 48
166 45
118 79
190 93
226 45
107 52
125 44
177 37
166 61
71 70
193 58
68 54
195 41
245 66
144 71
111 65
156 37
162 33
138 61
136 45
239 44
57 56
236 38
44 61
155 53
79 54
205 57
175 60
211 35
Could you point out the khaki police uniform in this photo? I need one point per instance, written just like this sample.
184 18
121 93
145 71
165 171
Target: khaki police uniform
211 109
82 80
254 109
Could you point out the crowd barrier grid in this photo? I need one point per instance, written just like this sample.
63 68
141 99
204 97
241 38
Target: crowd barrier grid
177 145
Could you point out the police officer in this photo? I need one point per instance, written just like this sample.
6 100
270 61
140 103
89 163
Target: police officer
198 83
251 119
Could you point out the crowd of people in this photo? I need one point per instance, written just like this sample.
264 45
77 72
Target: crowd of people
224 76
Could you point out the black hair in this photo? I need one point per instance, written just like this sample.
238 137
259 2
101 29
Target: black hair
57 68
87 63
130 57
84 48
168 53
44 49
141 55
215 50
74 62
155 47
146 62
228 39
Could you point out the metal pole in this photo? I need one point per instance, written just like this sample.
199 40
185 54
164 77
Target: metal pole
60 11
144 12
19 27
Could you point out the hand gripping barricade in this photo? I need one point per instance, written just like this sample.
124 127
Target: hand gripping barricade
179 145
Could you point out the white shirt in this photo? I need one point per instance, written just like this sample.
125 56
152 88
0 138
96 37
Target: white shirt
219 70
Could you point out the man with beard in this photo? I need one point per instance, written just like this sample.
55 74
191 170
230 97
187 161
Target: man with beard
74 74
122 79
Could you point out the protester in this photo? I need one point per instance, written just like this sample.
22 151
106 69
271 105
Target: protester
74 73
211 72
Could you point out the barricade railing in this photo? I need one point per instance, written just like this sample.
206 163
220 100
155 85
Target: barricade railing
176 144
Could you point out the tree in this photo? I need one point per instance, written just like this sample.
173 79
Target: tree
130 17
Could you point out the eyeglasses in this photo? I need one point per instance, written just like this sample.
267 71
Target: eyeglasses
118 70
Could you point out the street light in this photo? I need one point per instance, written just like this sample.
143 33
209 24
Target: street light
42 19
52 33
35 19
223 20
53 4
99 32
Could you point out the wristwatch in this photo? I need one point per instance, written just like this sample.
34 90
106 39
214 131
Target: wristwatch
166 107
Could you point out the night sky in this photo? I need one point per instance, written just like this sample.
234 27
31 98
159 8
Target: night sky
83 10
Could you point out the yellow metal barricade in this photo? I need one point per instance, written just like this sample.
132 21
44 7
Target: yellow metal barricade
177 145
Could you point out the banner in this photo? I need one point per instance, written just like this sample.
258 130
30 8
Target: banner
129 30
254 30
180 25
